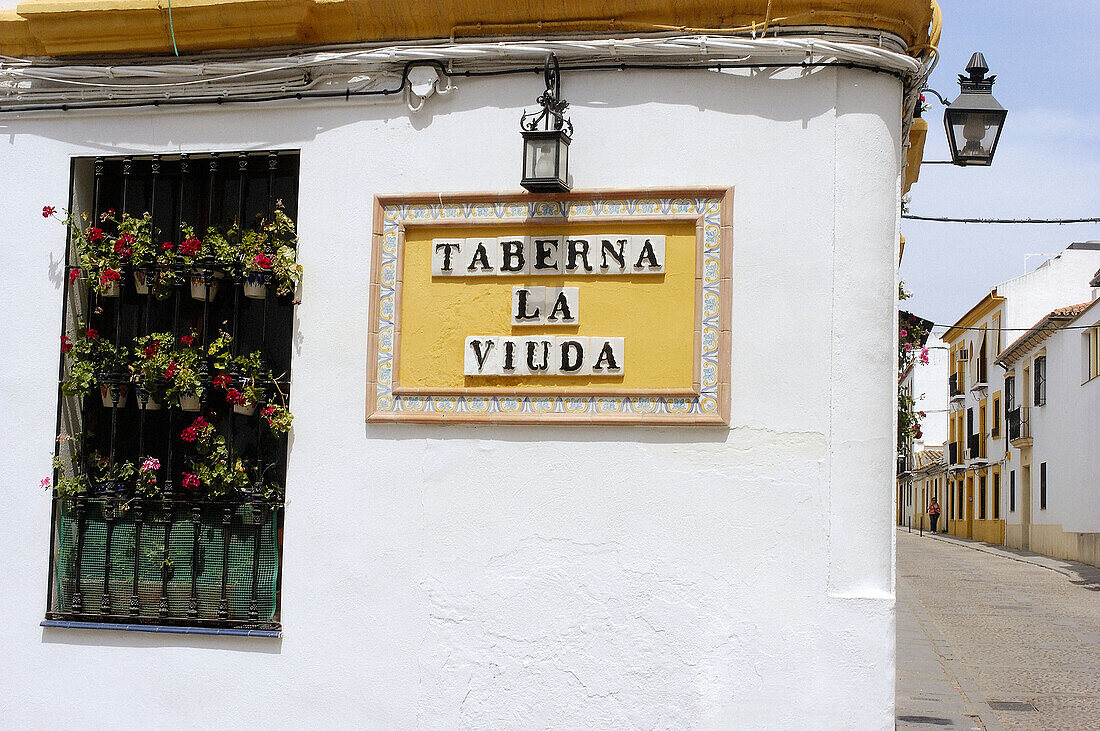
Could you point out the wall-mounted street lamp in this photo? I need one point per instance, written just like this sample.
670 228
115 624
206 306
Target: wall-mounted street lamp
546 137
974 120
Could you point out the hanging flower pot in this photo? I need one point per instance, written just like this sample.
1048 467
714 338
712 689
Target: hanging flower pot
143 279
190 402
255 286
146 402
245 409
108 398
109 289
204 285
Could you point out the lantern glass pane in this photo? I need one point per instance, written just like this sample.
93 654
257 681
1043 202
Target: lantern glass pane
974 133
541 159
563 169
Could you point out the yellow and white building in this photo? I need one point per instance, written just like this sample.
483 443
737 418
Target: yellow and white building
980 465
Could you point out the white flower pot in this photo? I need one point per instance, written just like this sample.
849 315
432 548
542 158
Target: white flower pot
150 404
204 288
245 409
255 286
105 395
111 290
142 280
190 403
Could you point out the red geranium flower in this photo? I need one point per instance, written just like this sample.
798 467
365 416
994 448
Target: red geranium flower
74 274
187 339
151 350
222 380
262 261
66 344
190 246
167 246
48 211
200 423
95 234
190 480
234 396
91 333
170 371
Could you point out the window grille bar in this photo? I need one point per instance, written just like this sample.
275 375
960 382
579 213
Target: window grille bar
108 515
193 602
135 603
253 604
223 603
77 604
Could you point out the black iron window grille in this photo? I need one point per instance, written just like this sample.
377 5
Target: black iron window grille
174 389
1040 380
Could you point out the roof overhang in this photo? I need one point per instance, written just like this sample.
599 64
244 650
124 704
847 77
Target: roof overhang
59 28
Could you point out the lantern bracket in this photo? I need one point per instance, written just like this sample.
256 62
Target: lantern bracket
552 114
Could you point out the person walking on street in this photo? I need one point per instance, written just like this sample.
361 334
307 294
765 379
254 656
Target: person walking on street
934 512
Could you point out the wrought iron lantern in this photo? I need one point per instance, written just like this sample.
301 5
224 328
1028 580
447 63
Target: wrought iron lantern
546 137
974 120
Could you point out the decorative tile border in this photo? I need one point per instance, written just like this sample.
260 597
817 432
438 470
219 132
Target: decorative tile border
707 403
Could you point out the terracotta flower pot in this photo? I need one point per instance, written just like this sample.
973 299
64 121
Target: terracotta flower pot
205 287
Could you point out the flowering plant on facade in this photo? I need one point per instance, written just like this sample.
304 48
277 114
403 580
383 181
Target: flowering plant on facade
210 472
183 374
90 358
215 249
70 479
147 483
97 260
278 419
271 250
153 355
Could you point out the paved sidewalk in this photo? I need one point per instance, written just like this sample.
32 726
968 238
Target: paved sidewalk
994 638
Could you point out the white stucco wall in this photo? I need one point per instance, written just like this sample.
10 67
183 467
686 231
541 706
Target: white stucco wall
583 576
1066 432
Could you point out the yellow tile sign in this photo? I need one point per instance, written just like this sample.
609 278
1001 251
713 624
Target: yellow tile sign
596 310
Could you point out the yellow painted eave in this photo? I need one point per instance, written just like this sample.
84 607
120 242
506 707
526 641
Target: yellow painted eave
100 27
918 133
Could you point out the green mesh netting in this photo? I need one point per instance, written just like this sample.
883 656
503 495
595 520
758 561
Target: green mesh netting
174 525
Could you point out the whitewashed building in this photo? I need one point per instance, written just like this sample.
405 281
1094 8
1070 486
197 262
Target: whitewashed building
698 538
1053 384
921 468
980 463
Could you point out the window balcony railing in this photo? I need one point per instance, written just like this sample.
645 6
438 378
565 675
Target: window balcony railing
166 562
1019 423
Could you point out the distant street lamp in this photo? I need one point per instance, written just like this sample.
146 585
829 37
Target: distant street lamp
974 120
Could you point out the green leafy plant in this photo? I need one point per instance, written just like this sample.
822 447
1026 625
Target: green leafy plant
71 481
153 354
91 357
183 373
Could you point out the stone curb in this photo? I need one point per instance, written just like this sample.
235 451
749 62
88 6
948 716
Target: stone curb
1084 575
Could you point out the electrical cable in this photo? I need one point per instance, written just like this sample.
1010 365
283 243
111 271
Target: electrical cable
227 98
946 219
172 28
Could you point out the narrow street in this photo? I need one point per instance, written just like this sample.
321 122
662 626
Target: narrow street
993 638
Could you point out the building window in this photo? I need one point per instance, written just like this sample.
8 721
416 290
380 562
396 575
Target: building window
962 502
1043 486
172 449
981 497
995 429
1012 491
1092 350
1040 380
996 496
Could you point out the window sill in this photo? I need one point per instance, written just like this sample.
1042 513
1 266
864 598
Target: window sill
161 629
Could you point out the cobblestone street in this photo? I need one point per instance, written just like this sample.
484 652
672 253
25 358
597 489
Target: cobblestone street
994 638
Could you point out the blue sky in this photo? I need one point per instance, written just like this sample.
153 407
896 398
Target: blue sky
1047 60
